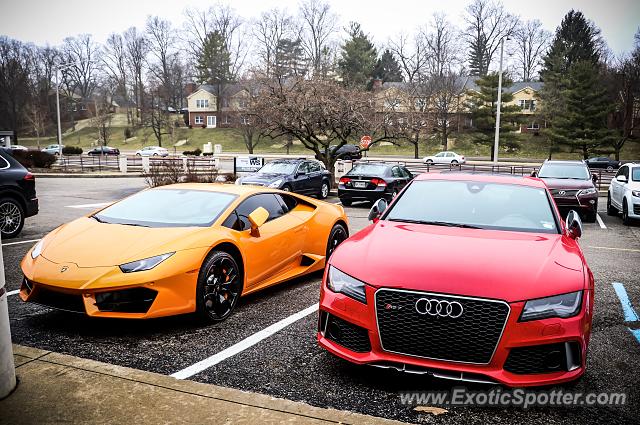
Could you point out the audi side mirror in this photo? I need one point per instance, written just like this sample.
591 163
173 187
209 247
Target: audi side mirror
574 225
594 177
534 173
377 209
621 178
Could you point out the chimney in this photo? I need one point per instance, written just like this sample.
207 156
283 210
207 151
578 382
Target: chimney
190 88
377 84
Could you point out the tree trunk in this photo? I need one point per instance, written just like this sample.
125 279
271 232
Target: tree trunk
416 154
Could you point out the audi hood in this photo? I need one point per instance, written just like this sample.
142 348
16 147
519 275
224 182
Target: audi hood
506 265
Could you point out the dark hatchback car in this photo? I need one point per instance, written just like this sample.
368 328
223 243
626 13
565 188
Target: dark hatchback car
603 162
104 150
304 176
348 152
572 186
372 181
18 198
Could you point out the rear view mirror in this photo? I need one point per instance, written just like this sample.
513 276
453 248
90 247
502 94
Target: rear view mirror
574 225
377 209
257 218
594 177
534 173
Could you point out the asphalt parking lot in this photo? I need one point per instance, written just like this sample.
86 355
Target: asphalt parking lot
289 364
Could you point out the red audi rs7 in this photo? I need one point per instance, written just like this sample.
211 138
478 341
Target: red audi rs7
467 277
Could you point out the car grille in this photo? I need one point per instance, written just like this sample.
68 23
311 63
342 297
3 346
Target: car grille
546 358
636 208
567 193
350 336
470 338
59 300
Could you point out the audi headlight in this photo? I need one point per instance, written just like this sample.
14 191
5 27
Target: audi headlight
636 193
144 264
37 250
341 282
276 183
590 191
563 306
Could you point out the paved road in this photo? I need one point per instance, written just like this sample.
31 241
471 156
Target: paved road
289 363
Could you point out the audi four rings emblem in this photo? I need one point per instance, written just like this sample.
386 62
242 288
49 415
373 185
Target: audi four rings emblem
441 308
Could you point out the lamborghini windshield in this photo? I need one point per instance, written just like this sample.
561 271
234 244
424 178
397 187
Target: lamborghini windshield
167 208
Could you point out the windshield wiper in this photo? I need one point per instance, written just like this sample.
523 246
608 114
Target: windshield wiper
436 223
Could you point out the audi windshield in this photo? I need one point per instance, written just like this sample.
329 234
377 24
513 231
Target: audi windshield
167 208
479 205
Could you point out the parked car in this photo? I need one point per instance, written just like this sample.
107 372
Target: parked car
603 162
447 157
152 151
371 181
572 186
348 152
304 176
184 248
104 150
53 149
18 148
18 198
472 277
624 193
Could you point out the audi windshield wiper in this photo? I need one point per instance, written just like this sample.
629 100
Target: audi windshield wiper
436 223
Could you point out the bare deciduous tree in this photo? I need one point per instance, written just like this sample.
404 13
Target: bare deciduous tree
412 56
270 30
532 41
114 58
488 22
442 50
83 54
318 24
137 48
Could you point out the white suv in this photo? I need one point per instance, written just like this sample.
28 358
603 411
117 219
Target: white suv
624 193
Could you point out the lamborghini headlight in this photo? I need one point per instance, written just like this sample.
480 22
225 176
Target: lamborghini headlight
144 264
37 250
276 183
563 306
341 282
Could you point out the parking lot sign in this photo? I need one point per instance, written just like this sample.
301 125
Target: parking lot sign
247 164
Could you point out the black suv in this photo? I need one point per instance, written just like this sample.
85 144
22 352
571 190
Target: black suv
572 187
305 176
17 195
347 152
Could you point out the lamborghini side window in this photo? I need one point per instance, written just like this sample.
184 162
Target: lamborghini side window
239 219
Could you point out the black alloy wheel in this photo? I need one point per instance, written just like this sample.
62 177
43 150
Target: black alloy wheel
286 188
11 218
219 286
338 235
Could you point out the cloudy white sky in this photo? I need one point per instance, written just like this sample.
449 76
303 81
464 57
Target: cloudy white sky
50 21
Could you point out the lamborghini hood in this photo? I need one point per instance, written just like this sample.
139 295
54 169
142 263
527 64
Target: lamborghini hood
88 243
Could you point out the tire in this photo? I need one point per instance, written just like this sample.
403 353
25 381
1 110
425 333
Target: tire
590 217
11 218
346 202
324 190
625 213
454 162
337 235
138 154
155 154
215 298
609 168
429 162
394 194
286 188
611 210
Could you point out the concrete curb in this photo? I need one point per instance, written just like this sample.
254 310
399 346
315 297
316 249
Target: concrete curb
185 400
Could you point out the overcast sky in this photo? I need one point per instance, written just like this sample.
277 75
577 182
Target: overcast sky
50 21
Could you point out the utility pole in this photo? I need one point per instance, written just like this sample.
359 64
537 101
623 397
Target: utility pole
496 140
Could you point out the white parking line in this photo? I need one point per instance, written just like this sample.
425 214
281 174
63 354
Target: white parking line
13 292
20 242
244 344
98 205
600 222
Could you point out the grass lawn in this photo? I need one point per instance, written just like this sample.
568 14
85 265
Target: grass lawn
231 140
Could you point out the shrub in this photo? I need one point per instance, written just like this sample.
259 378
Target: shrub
178 123
207 153
34 158
190 126
196 152
72 150
127 133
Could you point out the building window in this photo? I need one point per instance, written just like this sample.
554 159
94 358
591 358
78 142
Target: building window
227 120
202 103
533 126
245 120
243 103
198 119
392 104
528 105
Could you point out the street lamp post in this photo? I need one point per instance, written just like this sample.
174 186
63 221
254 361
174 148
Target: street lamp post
496 139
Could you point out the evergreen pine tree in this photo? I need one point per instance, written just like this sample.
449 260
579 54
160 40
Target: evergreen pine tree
387 68
483 105
358 58
214 62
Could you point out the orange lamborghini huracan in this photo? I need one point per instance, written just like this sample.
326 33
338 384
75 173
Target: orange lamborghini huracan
179 249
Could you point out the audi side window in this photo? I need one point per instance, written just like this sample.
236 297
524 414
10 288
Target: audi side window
620 171
395 172
406 172
440 155
314 167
